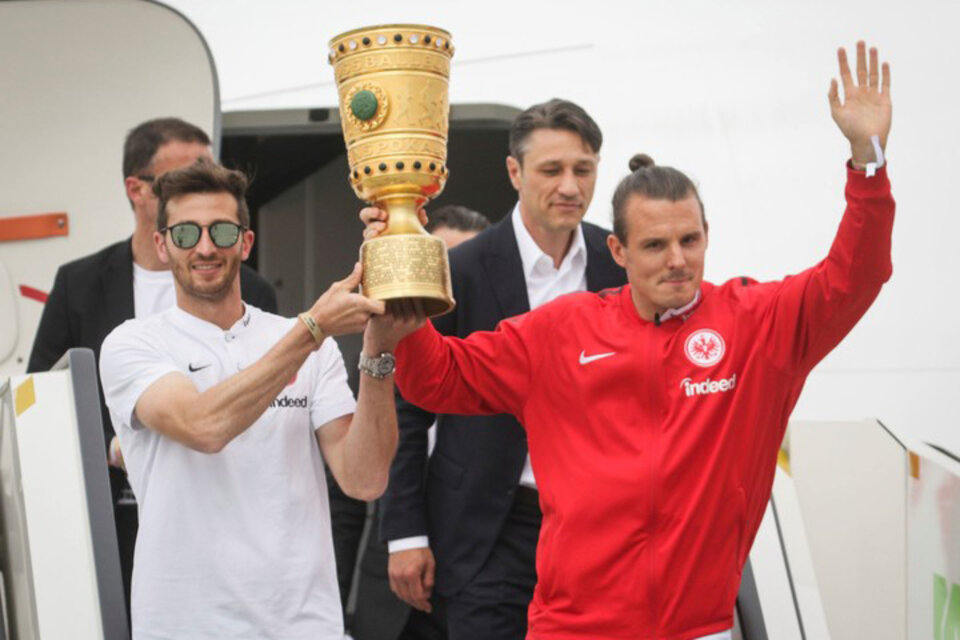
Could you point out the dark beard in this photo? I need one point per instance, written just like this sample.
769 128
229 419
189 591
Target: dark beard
210 295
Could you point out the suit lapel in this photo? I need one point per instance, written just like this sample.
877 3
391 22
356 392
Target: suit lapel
117 283
501 260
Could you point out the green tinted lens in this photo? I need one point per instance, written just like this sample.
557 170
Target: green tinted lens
224 234
185 235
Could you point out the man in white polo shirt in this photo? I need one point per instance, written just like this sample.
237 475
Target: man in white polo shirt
219 408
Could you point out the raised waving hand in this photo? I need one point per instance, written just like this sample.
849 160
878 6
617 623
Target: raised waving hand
865 109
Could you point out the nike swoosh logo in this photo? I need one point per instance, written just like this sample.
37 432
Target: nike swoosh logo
585 359
194 369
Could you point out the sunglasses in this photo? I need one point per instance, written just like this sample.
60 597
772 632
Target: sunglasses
186 235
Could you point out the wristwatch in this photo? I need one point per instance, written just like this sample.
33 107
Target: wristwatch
378 367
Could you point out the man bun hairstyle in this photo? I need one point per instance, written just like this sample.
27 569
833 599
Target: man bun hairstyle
640 161
648 180
553 114
203 176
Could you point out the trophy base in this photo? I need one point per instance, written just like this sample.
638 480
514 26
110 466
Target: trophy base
408 265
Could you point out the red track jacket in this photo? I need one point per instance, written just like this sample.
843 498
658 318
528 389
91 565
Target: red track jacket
655 445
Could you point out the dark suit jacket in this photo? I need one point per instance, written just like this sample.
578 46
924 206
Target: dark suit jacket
93 295
462 496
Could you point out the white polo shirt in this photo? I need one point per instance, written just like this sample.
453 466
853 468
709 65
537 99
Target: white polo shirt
235 544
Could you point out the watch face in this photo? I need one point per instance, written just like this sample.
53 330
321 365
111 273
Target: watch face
385 364
378 366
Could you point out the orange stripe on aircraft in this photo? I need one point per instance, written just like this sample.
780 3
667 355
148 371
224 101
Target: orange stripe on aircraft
33 227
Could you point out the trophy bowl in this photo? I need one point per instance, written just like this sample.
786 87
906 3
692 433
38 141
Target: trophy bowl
392 82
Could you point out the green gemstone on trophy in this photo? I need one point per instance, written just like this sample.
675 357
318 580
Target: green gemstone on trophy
364 105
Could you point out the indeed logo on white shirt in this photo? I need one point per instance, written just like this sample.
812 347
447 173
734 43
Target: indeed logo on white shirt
286 401
708 386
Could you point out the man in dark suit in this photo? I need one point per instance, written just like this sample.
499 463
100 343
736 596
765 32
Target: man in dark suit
379 615
96 293
469 516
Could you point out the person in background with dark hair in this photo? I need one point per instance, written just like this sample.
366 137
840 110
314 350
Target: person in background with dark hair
467 519
227 416
455 224
379 614
655 411
96 293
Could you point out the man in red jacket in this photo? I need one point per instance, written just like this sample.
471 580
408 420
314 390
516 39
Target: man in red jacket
654 412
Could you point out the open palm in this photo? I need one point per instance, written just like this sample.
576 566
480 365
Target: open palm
866 109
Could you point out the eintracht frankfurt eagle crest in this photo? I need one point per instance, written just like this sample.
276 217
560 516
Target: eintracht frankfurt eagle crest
704 347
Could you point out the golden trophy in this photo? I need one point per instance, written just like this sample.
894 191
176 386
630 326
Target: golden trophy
393 84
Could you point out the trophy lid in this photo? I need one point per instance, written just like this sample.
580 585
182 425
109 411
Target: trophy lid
420 36
389 27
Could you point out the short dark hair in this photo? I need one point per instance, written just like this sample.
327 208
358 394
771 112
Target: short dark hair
553 114
203 176
650 181
143 141
458 218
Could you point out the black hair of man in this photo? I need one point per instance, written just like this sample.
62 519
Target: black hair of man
649 180
146 138
458 218
553 114
203 176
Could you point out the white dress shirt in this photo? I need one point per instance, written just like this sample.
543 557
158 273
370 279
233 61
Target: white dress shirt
545 282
